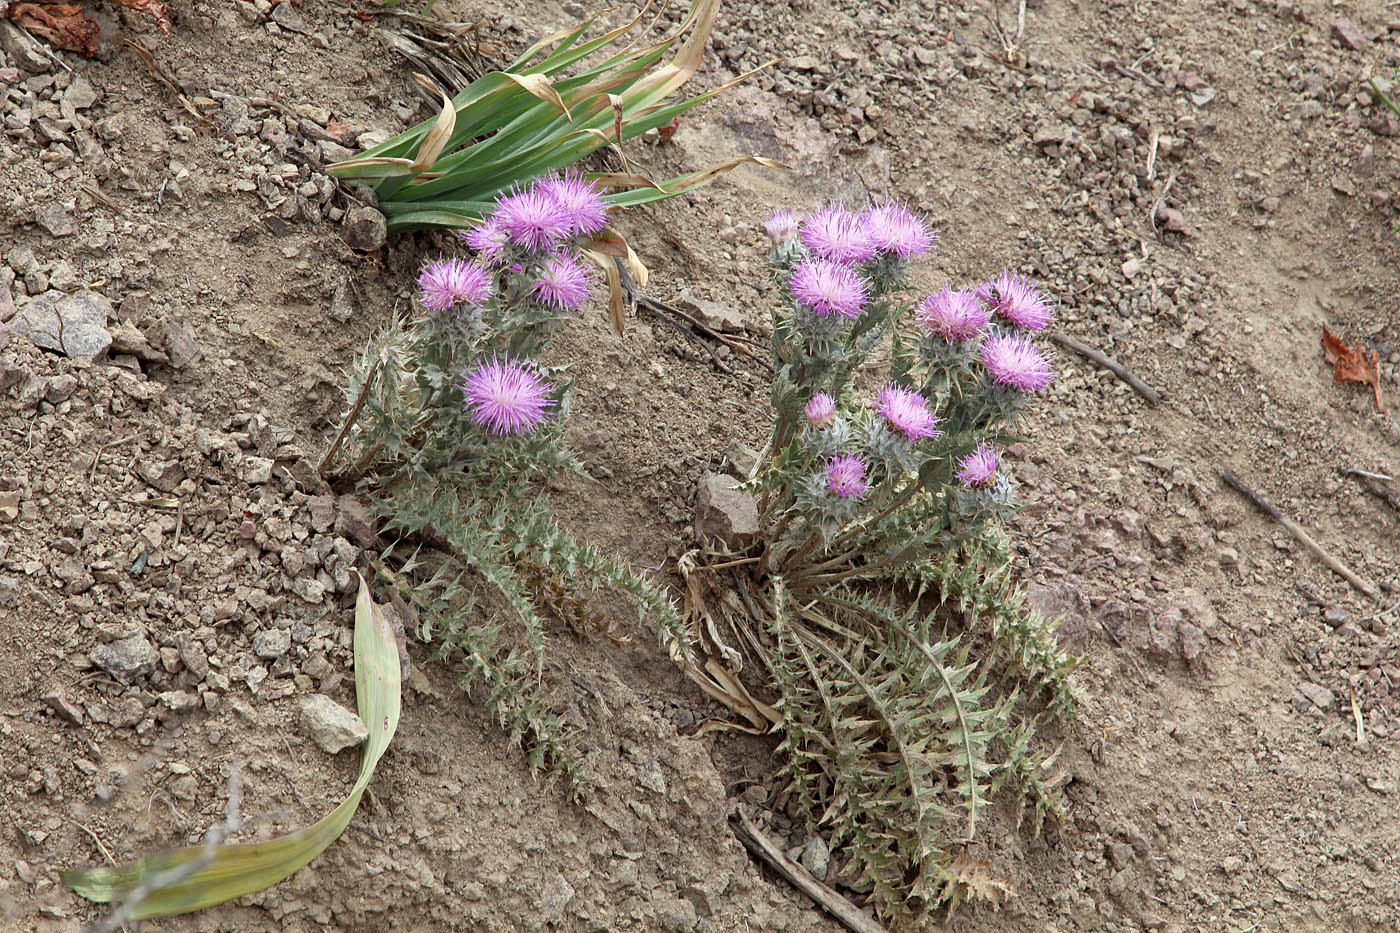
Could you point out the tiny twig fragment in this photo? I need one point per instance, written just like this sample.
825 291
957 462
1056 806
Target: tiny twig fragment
1297 531
1152 396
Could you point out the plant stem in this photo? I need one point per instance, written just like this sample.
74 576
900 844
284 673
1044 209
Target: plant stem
349 419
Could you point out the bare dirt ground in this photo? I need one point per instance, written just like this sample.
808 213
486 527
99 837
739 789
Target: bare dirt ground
1201 184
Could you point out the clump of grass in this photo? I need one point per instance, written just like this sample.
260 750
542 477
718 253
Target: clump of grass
549 108
878 598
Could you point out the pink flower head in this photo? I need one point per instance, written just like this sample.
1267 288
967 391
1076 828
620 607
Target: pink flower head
1014 362
782 226
578 200
504 396
532 218
487 240
828 288
907 412
1018 301
447 283
836 234
978 468
952 315
562 284
845 477
820 411
894 228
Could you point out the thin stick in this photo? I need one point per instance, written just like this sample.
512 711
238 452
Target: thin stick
1153 397
92 474
760 845
1353 471
1377 487
349 420
1297 531
97 842
663 308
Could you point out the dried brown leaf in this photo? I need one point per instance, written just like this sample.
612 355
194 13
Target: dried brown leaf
539 86
974 879
615 304
1353 364
62 25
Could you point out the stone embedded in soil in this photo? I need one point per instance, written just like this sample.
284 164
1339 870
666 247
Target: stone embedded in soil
163 475
1317 694
1193 641
128 659
365 229
54 219
58 701
1345 32
723 512
80 320
21 49
715 315
270 644
816 857
330 725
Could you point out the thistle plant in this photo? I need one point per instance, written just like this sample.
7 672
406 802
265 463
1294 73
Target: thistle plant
878 596
456 424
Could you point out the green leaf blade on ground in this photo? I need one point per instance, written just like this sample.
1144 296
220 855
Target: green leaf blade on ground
232 871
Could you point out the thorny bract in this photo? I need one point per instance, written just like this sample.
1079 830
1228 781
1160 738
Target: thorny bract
455 427
880 501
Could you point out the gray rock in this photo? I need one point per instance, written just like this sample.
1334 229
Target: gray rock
193 657
555 898
80 94
256 470
23 51
816 857
7 296
74 325
127 660
723 512
175 340
365 229
1193 641
54 219
330 725
1317 694
61 388
713 314
179 701
272 643
126 338
164 475
1345 32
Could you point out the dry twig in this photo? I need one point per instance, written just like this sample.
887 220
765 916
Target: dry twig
1152 396
1297 531
761 846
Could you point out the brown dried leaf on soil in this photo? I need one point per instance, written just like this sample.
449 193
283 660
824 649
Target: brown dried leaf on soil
1353 364
974 879
62 25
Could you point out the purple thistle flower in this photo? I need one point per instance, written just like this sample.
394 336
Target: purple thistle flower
578 200
979 468
828 288
532 218
845 477
820 411
952 315
1014 362
1017 301
446 283
907 412
782 226
504 396
562 284
893 228
486 239
836 234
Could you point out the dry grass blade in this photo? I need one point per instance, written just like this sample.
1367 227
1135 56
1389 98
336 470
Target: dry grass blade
196 877
437 137
539 86
616 102
616 309
627 179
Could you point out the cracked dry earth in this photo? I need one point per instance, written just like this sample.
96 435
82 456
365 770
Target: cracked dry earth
1202 185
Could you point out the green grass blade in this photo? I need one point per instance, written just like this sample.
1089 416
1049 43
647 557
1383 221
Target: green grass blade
236 870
